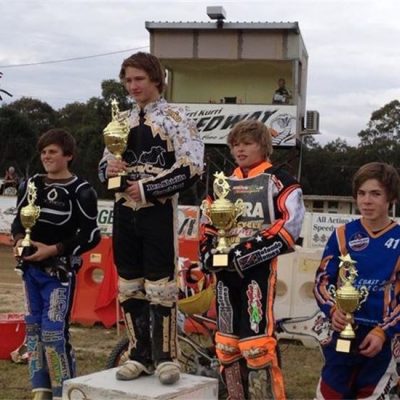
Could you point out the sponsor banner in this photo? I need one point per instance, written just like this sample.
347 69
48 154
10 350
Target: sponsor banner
188 218
322 226
214 121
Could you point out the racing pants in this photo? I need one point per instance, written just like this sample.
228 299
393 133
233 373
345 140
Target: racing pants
51 357
245 341
144 252
353 376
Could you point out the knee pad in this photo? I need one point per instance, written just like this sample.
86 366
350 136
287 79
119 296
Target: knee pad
163 292
259 351
227 348
131 289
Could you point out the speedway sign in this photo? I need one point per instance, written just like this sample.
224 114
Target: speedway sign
214 121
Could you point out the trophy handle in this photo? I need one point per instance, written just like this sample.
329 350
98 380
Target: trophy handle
205 209
332 291
239 208
363 295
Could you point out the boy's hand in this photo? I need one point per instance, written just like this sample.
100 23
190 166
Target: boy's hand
15 249
339 320
371 345
114 167
43 252
133 190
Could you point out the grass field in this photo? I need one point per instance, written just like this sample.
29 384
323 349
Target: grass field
301 365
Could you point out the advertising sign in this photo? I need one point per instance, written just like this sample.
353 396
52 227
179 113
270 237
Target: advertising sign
214 121
188 218
323 225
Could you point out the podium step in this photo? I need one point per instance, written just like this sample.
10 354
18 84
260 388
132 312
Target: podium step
103 386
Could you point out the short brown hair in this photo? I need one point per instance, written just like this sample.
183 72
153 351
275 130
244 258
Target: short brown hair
59 137
253 130
148 63
384 173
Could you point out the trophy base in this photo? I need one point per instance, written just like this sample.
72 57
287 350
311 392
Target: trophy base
220 260
25 251
343 345
117 183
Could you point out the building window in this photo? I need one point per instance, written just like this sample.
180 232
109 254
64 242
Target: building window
318 206
333 207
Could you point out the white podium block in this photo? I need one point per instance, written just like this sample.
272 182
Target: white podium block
104 386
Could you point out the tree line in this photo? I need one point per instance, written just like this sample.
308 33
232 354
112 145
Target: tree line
325 170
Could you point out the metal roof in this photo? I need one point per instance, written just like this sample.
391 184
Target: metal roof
222 25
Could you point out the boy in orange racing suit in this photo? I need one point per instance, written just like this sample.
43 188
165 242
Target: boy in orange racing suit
269 226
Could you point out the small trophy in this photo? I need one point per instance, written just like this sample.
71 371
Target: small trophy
348 299
29 215
116 139
223 214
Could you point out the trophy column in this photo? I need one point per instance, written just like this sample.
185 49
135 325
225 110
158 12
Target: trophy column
28 215
223 215
348 299
116 139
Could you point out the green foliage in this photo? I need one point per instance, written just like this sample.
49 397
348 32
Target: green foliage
18 141
384 126
325 170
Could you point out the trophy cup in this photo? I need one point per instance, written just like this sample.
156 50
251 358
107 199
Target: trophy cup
223 214
29 215
116 139
348 299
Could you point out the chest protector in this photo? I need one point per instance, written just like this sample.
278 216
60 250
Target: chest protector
257 195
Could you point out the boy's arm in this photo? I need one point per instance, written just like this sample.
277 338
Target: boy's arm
326 275
278 238
390 325
102 168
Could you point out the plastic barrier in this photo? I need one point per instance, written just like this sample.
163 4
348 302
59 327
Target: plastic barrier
283 299
12 333
303 300
189 249
188 232
96 287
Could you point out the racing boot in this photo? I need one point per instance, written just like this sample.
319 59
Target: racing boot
165 343
137 321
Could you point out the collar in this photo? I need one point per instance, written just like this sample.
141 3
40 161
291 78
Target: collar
150 106
256 170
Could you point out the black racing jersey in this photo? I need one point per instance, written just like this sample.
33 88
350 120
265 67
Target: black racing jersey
164 150
68 214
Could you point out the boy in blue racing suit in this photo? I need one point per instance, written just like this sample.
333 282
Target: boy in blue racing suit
367 368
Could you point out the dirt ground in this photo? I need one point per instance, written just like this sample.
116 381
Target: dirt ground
10 283
92 345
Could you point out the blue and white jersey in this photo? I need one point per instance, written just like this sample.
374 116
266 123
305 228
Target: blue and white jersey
377 257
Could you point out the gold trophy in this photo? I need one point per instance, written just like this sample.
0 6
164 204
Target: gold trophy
348 299
29 215
116 139
223 214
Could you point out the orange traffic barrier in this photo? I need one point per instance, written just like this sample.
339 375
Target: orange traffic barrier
95 297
